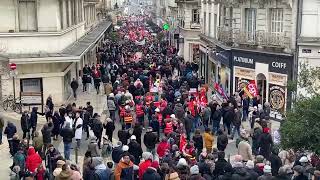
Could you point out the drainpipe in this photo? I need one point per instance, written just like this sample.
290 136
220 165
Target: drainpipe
296 52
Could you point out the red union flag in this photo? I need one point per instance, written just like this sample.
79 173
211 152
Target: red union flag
251 89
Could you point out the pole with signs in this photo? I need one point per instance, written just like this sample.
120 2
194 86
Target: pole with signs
13 68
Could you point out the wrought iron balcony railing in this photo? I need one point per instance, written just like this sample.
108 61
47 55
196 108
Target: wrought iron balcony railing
233 37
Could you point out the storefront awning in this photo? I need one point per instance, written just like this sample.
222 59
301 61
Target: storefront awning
88 41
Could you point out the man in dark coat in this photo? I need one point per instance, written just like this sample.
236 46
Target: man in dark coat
220 164
117 152
74 86
240 173
123 135
97 128
46 134
150 139
34 120
228 117
222 140
265 143
275 161
67 135
10 131
25 124
135 149
188 121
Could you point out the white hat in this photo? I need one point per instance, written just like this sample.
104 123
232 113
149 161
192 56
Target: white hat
173 116
157 110
304 159
182 162
133 137
267 169
250 164
125 148
194 170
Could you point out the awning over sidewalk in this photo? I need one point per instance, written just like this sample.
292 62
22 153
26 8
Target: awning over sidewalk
84 44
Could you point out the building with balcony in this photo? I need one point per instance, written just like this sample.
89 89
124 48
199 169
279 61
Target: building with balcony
50 41
187 41
245 40
309 36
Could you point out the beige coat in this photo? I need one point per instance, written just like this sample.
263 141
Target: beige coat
245 150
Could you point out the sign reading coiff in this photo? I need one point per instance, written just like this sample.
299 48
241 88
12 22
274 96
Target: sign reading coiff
277 63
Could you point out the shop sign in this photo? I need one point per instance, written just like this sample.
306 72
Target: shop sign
32 98
244 62
277 79
277 97
276 63
244 73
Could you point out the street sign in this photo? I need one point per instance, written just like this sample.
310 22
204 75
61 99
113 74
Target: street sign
166 26
13 66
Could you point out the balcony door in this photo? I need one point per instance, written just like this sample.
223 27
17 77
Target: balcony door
27 15
250 23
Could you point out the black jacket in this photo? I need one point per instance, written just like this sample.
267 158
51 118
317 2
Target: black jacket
74 84
10 130
137 131
228 115
276 163
240 174
219 167
109 127
116 154
123 136
34 118
151 174
97 128
135 150
150 140
222 142
188 121
254 175
25 123
67 134
198 142
46 133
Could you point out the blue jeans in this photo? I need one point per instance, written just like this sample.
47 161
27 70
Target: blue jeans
215 126
67 150
235 128
244 115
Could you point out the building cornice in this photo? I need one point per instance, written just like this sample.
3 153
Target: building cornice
37 34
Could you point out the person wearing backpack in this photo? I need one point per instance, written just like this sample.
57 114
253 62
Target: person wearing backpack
101 172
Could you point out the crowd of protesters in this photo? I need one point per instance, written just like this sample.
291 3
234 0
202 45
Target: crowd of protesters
168 132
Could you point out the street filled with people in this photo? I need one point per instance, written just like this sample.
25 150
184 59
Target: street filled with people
172 127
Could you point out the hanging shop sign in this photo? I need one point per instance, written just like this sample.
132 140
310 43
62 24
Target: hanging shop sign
244 73
277 97
277 79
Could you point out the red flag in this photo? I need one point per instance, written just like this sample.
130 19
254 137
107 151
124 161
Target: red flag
183 141
251 89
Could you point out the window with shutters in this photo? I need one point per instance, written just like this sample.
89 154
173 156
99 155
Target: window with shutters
27 15
250 22
276 20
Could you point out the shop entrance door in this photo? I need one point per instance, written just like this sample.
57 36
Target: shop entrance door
262 86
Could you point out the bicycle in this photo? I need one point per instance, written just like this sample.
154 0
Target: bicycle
8 101
17 106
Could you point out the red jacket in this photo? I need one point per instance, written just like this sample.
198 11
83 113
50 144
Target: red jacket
33 160
143 167
162 147
139 110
